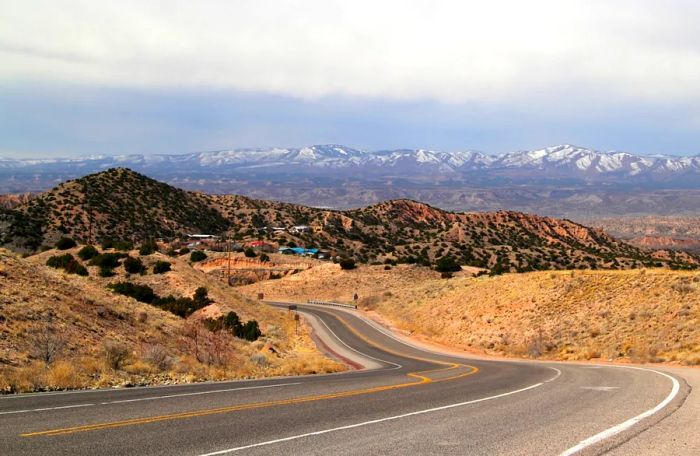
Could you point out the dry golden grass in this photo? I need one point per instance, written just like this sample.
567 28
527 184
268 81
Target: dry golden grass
328 282
640 315
77 316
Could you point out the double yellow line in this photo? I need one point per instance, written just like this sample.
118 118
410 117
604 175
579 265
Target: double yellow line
422 379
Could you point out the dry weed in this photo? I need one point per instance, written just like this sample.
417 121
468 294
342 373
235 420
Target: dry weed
64 375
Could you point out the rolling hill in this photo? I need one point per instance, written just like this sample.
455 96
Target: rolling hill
64 331
646 315
122 204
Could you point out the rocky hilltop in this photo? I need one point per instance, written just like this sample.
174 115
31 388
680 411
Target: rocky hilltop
122 204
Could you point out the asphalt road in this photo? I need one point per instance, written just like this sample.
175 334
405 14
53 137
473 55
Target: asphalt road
411 401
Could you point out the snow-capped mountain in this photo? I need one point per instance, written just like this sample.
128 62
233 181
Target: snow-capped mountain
559 163
578 160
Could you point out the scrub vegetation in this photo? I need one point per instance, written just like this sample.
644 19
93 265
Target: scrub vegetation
645 315
63 331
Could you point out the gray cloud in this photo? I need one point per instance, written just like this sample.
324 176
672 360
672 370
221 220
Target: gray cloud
449 51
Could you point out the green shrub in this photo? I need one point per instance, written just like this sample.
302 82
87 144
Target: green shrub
197 255
87 252
117 244
105 272
347 264
142 293
148 248
201 297
250 331
68 263
184 251
264 258
447 264
161 267
133 265
231 322
107 260
184 307
65 243
59 261
250 253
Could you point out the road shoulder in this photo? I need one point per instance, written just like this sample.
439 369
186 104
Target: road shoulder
677 433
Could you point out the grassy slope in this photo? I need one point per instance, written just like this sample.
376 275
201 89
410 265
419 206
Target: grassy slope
86 314
642 315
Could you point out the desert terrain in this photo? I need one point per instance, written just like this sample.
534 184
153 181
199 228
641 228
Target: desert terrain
61 330
646 315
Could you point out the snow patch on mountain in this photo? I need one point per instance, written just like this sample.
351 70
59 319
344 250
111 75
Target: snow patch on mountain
562 161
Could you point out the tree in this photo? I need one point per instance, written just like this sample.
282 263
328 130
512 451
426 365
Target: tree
347 264
116 244
47 343
250 253
250 331
68 263
197 255
201 297
232 322
447 264
87 252
161 267
133 265
142 293
107 260
148 248
65 243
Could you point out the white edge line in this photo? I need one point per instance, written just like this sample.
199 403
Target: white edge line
629 423
151 398
397 366
198 393
366 423
591 440
12 412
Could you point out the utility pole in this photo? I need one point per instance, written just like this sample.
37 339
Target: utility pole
228 250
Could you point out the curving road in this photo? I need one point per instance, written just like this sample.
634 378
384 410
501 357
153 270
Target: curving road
406 400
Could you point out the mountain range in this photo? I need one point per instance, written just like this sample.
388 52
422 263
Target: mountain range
558 162
563 181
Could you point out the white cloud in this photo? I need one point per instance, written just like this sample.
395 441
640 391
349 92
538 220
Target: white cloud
452 51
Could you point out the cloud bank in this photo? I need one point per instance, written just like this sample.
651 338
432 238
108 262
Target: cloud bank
444 51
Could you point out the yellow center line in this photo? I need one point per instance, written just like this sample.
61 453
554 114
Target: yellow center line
422 380
388 350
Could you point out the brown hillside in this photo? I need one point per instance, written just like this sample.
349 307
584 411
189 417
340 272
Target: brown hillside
42 307
119 203
644 315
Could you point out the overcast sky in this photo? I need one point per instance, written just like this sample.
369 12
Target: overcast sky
86 77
